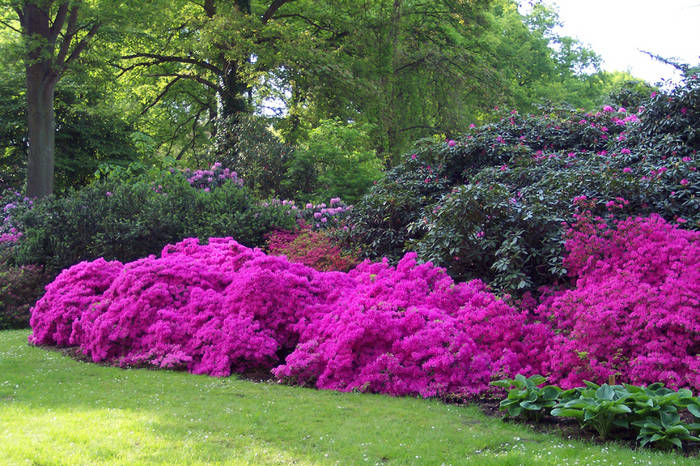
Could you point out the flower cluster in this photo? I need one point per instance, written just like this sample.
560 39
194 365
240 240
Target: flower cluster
11 204
212 178
317 216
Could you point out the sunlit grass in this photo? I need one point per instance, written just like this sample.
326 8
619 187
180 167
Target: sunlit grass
55 410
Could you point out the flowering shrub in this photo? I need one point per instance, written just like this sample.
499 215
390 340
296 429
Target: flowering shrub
67 298
311 248
491 206
12 205
635 310
412 330
317 216
210 179
207 308
222 307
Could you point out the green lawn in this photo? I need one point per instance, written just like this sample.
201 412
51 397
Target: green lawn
54 410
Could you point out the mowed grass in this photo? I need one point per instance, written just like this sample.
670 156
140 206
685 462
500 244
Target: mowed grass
55 410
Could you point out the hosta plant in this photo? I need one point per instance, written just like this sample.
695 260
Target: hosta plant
601 407
525 399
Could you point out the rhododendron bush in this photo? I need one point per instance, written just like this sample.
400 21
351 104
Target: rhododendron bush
410 329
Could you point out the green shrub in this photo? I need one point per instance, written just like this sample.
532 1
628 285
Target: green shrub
128 220
493 204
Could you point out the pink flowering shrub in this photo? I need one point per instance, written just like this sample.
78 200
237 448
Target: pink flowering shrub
635 310
222 307
412 330
209 308
67 298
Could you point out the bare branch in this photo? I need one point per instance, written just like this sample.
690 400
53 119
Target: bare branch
272 9
9 26
173 59
193 77
58 22
160 96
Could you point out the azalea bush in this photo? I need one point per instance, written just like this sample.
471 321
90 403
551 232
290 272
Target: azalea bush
635 308
409 330
222 307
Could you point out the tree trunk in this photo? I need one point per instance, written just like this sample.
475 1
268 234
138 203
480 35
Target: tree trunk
41 87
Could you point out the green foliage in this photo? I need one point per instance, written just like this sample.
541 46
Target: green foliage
493 204
334 160
525 399
652 412
122 220
601 407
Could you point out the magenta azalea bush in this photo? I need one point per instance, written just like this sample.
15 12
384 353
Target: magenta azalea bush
635 309
406 330
412 330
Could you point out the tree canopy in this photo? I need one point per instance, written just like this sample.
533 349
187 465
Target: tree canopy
88 83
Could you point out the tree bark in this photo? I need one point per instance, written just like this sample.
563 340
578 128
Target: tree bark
41 126
41 79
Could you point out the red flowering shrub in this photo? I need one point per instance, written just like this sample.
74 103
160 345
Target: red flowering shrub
20 287
315 249
635 309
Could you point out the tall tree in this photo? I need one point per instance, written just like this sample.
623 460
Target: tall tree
215 44
55 33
